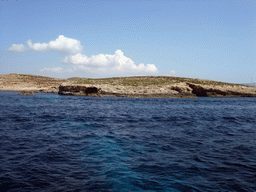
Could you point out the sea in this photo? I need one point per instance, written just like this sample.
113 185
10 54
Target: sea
51 142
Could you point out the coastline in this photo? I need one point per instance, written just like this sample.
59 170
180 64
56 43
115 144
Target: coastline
142 87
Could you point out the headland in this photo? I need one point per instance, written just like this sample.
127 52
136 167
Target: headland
137 86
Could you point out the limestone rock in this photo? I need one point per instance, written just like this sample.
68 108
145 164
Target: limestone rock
222 91
77 90
26 93
148 86
124 91
49 91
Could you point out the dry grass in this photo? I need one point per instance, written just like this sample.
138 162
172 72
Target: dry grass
20 79
124 81
145 81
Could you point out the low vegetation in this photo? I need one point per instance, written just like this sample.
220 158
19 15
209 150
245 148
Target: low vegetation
144 81
23 80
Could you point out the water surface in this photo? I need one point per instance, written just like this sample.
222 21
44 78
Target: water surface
64 143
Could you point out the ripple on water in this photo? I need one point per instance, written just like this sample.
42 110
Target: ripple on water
56 143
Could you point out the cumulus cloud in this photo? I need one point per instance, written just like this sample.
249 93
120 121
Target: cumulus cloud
106 62
55 69
18 48
102 63
62 44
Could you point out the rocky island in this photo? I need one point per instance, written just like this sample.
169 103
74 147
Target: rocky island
138 86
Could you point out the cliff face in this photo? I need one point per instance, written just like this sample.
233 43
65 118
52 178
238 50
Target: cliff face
175 90
222 91
77 90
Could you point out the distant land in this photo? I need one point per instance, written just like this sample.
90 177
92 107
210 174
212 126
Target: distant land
137 86
249 84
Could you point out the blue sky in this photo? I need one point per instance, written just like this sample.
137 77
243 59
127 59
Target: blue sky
204 39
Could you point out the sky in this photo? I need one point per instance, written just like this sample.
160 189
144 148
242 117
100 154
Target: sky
203 39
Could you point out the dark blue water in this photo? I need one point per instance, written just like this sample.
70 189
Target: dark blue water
50 142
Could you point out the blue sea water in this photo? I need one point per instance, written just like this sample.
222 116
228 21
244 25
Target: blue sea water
50 142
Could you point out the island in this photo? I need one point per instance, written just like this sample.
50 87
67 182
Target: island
136 86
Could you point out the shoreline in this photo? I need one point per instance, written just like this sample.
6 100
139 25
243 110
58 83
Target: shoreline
138 86
32 92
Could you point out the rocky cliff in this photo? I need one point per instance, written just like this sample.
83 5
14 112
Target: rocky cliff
173 90
222 91
78 90
176 90
144 86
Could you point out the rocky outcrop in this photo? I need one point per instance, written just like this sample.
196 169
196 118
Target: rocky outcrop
181 90
144 86
222 91
51 90
78 90
178 90
26 93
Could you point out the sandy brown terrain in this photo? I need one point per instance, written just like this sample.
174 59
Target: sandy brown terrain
21 82
144 86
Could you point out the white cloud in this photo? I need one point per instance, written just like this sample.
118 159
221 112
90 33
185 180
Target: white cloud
117 63
62 44
55 69
172 72
18 48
